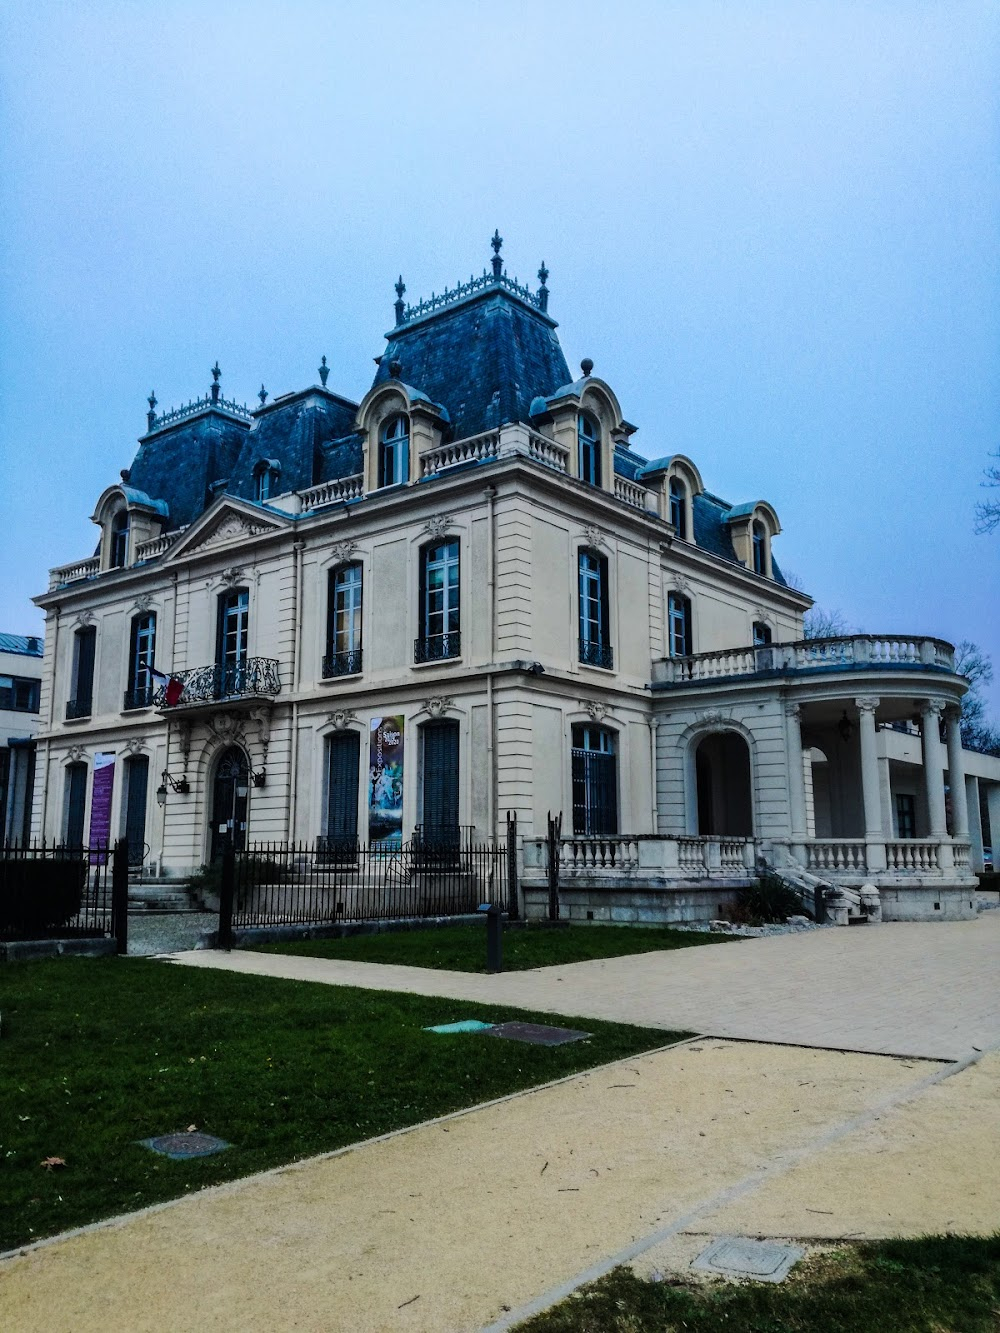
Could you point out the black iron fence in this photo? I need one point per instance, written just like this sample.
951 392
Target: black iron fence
58 892
332 881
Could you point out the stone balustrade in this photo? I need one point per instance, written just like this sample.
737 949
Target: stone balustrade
833 855
544 450
80 569
630 493
914 856
878 651
631 859
471 450
332 492
157 546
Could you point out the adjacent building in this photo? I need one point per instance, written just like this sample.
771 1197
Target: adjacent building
474 593
20 696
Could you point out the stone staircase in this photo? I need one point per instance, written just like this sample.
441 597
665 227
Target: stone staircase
148 895
844 906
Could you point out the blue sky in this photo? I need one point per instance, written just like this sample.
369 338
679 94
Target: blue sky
772 226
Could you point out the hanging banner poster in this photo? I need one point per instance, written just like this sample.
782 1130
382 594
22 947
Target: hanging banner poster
100 805
385 782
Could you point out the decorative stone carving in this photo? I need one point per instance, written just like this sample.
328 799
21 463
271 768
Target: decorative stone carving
867 703
77 753
437 526
793 710
679 583
933 706
143 602
439 705
714 715
231 527
343 550
597 709
135 744
184 739
85 618
231 576
341 718
593 535
262 716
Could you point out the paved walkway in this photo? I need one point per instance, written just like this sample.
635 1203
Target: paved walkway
897 989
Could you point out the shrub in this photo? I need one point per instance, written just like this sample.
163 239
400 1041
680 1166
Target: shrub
39 895
768 901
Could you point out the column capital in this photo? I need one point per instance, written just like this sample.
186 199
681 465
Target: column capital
793 710
867 703
953 712
933 707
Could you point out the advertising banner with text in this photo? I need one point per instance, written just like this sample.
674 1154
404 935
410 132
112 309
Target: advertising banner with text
385 782
100 804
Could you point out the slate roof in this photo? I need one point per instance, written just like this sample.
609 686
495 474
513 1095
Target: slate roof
484 359
295 432
27 645
179 464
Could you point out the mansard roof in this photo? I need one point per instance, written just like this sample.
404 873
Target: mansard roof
294 431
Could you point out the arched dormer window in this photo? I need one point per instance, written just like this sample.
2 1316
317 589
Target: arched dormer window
678 508
588 434
760 560
265 480
394 452
119 540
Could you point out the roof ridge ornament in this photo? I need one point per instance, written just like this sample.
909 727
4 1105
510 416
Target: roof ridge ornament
399 307
543 291
151 414
216 372
496 243
324 371
262 395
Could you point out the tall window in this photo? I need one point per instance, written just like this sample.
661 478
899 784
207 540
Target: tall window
906 815
343 622
141 660
595 781
761 634
588 433
119 540
595 636
84 652
343 752
759 547
231 642
394 452
74 804
679 625
439 603
265 481
678 506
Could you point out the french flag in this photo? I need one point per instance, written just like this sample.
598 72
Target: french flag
173 688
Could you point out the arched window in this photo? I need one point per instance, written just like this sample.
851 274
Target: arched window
678 507
679 636
588 433
759 547
595 634
142 648
343 622
394 452
119 540
595 781
265 481
761 634
439 603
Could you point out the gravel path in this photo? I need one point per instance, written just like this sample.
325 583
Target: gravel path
167 932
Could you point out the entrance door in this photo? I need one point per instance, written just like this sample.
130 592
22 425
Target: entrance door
229 801
137 783
440 784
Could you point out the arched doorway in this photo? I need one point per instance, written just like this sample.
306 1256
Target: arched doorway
725 794
229 801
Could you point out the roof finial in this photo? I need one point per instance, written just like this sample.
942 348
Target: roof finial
586 365
262 395
216 372
543 291
395 369
151 414
496 243
324 371
399 307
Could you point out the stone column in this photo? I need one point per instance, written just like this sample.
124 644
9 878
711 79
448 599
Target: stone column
885 792
930 723
956 776
798 826
975 823
993 813
874 833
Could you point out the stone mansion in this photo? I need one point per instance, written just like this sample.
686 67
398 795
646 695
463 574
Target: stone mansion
470 594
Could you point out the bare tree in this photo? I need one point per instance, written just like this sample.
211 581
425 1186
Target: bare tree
820 624
978 733
988 511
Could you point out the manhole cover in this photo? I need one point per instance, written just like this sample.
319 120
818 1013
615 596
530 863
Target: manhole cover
737 1256
181 1146
537 1033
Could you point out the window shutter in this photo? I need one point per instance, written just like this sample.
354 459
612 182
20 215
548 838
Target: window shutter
440 781
342 789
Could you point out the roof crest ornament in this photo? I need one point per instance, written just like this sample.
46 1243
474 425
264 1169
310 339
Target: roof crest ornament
487 282
543 291
399 307
151 414
262 395
324 371
496 243
216 372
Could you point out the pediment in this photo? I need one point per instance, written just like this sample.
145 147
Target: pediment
225 524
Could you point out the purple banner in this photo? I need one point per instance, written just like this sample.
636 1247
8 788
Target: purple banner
100 805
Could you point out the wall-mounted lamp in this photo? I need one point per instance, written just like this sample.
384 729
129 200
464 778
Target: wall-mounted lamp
845 727
259 779
178 785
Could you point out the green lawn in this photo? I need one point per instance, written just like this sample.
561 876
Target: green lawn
98 1053
938 1284
463 948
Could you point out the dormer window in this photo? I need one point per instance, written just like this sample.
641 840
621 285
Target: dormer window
119 540
589 449
761 634
759 547
265 481
394 452
678 507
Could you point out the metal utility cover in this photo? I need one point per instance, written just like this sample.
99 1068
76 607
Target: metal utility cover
537 1033
738 1256
179 1147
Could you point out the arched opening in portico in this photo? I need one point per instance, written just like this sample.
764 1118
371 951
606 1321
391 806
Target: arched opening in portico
724 788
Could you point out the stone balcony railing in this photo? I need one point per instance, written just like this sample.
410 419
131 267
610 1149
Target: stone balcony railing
628 860
332 492
157 546
472 450
74 573
881 652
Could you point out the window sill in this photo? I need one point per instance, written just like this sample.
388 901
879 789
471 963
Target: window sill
341 675
436 662
591 666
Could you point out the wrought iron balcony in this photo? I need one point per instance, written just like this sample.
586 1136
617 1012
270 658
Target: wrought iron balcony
76 708
342 664
597 654
437 647
254 676
138 699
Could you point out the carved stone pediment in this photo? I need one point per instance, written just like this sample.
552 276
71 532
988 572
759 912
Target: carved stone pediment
228 526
